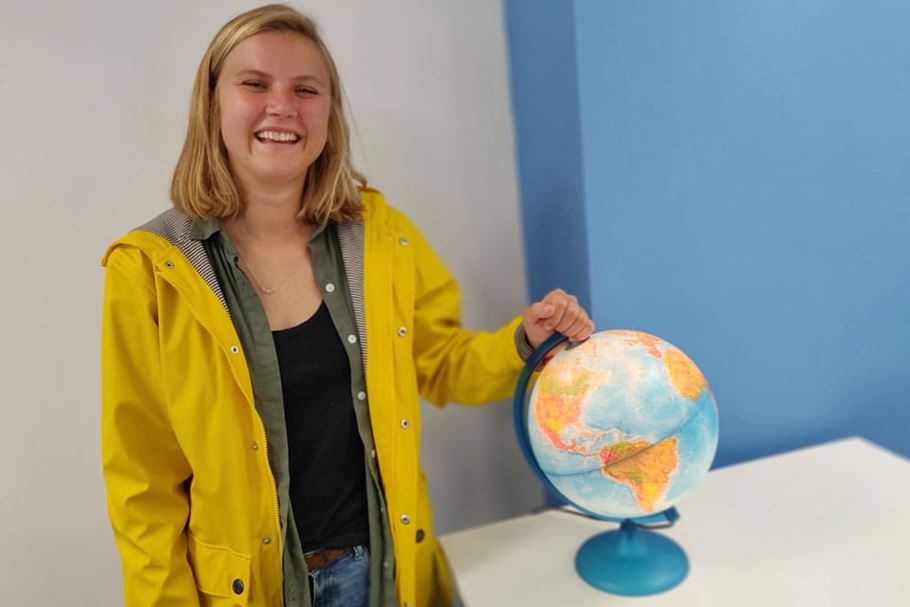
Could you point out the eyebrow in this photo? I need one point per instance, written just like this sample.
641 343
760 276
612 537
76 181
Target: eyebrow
301 78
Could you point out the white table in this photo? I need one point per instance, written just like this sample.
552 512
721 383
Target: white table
823 526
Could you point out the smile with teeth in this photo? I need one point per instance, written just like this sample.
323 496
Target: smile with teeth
278 136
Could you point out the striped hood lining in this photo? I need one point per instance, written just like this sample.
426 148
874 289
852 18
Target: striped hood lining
350 237
175 227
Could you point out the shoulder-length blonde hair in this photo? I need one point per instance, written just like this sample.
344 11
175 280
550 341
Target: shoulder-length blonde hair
203 186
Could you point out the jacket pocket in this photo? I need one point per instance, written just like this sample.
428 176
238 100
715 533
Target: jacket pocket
220 573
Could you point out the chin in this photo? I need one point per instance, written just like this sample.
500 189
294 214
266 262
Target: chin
281 174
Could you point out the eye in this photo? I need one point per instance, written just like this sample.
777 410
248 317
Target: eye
305 90
254 84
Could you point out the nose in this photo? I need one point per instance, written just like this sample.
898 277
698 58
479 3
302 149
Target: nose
280 104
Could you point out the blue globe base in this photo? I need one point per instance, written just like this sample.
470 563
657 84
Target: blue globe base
631 561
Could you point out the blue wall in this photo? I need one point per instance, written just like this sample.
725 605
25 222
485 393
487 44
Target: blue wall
746 195
548 135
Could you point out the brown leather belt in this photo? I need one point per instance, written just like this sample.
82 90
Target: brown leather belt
322 558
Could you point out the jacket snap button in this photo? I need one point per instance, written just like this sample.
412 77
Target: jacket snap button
255 446
237 586
402 331
403 241
405 519
266 540
405 424
168 264
234 349
420 535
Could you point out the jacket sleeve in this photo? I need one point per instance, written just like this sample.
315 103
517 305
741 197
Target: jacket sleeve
454 364
144 469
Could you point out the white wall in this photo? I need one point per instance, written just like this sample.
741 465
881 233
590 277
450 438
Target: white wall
93 98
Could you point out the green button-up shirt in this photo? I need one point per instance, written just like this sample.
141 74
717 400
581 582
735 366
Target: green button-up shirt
255 335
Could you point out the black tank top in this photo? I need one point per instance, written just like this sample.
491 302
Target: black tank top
327 468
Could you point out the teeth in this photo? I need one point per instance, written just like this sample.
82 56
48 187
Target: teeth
277 136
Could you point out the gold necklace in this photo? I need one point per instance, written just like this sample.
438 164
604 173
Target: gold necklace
247 270
263 289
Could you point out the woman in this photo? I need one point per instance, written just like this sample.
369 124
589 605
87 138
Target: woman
264 345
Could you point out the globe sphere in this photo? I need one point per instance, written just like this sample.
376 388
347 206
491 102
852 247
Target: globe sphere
622 425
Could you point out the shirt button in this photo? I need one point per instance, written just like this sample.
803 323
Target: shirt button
403 241
255 446
237 586
352 339
268 540
405 423
361 395
234 349
405 519
402 331
373 453
329 287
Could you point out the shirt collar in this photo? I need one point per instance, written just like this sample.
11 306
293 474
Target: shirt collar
202 229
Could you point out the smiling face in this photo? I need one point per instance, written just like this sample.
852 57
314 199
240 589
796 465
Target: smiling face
274 100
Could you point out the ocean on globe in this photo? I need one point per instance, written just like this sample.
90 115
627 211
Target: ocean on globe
623 425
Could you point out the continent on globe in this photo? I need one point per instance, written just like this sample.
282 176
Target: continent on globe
684 375
559 411
644 468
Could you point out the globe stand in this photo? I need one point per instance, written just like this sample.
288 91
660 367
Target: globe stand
631 561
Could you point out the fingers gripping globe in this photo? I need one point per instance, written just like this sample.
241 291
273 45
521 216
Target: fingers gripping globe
623 426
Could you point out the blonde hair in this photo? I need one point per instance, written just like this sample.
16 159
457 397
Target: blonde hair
203 186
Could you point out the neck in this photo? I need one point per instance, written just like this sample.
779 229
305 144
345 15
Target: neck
269 216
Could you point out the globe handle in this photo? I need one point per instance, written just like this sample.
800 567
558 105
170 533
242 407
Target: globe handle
520 410
520 419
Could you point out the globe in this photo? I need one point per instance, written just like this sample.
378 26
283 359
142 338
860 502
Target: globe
622 426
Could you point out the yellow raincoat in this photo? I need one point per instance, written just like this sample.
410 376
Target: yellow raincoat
191 497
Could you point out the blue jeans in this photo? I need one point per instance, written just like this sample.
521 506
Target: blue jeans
343 583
